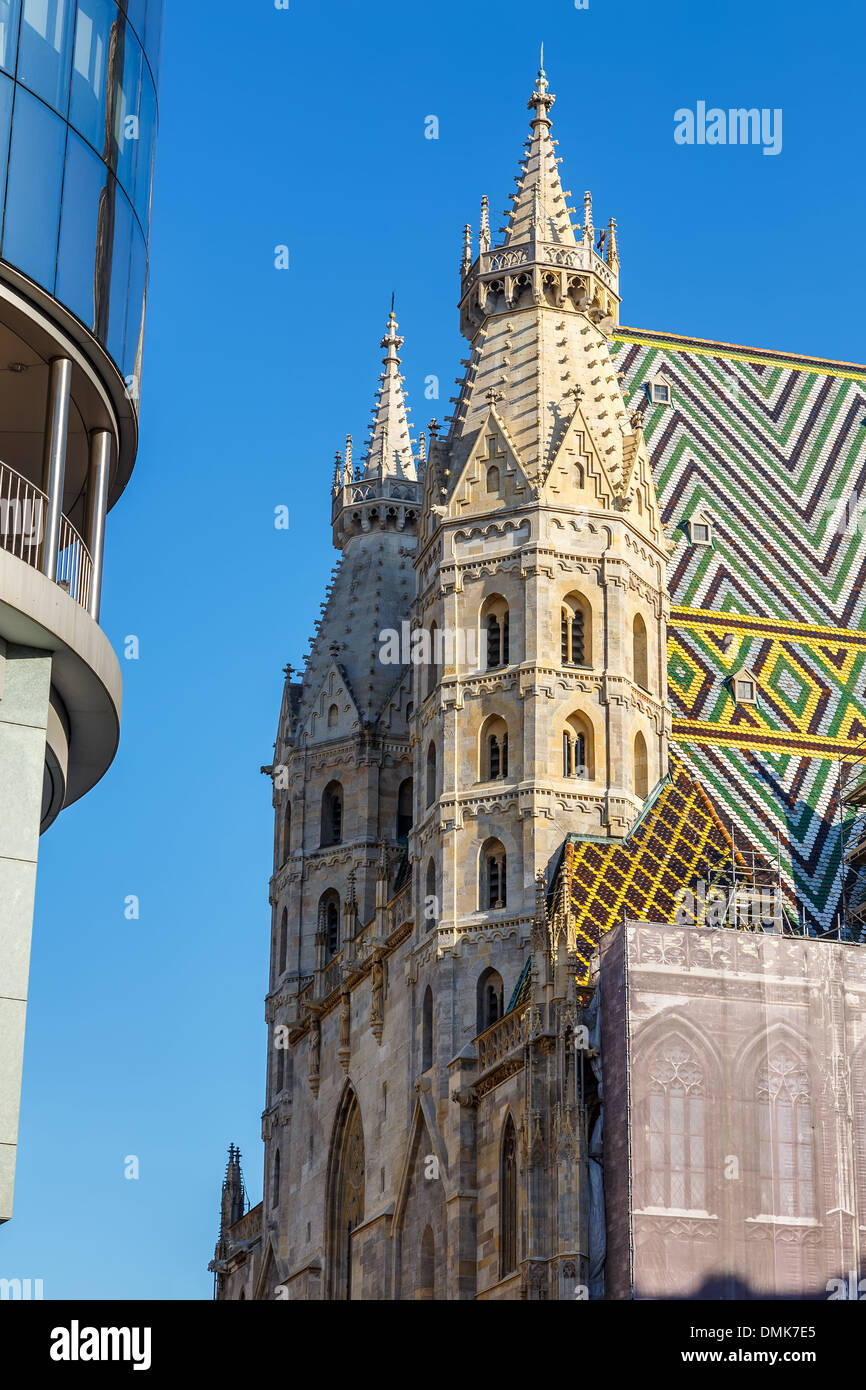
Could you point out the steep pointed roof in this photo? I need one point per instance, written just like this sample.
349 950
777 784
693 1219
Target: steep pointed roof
389 453
540 211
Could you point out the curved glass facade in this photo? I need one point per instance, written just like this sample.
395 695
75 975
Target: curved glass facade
78 117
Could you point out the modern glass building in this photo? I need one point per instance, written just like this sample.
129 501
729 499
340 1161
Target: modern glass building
78 119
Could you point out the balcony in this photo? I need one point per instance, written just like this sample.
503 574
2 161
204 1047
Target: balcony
23 515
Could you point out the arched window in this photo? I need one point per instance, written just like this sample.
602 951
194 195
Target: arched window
639 644
275 1193
346 1196
433 664
784 1097
495 632
283 948
404 810
676 1173
493 478
494 749
332 814
641 767
488 999
431 774
333 717
287 831
427 1030
280 1079
576 631
427 1267
493 893
508 1201
329 922
431 898
578 748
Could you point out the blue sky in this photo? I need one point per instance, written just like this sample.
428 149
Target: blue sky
306 127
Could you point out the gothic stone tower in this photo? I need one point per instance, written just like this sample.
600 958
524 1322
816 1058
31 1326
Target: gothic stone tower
421 807
540 533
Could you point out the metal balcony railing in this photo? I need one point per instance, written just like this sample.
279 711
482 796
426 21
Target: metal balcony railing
23 512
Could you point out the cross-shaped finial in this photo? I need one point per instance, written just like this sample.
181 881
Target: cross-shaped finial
493 396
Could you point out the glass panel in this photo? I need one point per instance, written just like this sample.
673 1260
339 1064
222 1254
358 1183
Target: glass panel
135 318
136 10
7 92
116 341
10 11
45 50
127 118
83 199
152 37
33 203
144 148
90 69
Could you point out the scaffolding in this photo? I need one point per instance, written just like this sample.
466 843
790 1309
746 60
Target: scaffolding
852 797
744 890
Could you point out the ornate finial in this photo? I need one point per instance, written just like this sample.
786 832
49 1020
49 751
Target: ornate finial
542 99
393 300
467 248
288 671
588 231
422 447
493 395
612 251
577 392
637 417
433 428
484 239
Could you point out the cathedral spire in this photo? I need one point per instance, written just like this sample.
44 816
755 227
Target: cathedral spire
540 212
389 453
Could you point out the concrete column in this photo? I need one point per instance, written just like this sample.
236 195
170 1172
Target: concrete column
54 464
97 506
25 685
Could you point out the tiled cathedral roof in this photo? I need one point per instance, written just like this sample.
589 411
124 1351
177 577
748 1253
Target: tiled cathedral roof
679 840
773 447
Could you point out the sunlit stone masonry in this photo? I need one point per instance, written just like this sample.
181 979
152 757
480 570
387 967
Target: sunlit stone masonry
565 979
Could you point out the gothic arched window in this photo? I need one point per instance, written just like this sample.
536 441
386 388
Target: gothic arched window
329 922
431 900
577 748
494 749
433 663
641 767
784 1098
275 1191
431 774
676 1172
575 631
332 814
404 810
346 1196
508 1201
287 832
333 717
427 1266
282 950
493 478
493 892
488 999
495 632
427 1030
639 651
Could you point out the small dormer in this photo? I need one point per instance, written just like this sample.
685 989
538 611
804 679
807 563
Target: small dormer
744 686
700 527
659 390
